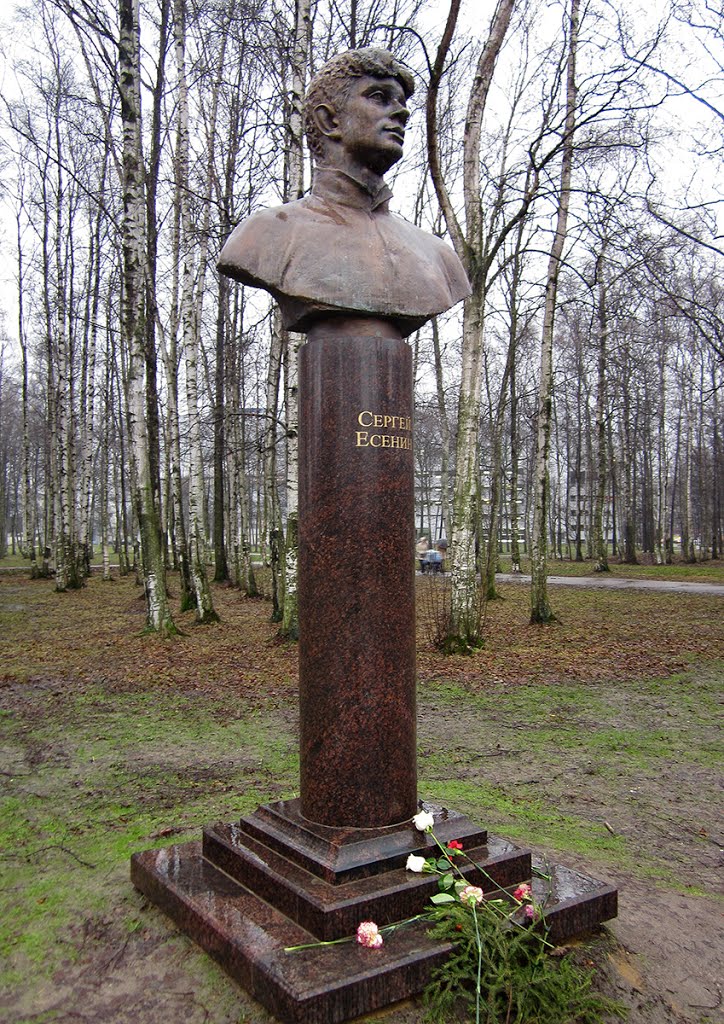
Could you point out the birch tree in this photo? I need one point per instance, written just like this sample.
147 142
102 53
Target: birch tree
133 235
540 608
463 632
191 300
292 340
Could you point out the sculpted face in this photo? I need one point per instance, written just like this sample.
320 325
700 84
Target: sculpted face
367 130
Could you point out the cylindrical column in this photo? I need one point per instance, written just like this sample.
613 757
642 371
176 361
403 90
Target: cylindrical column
356 577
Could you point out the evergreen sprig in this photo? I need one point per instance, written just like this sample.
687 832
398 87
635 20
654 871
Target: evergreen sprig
520 983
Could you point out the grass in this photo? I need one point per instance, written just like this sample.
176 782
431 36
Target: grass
113 774
562 765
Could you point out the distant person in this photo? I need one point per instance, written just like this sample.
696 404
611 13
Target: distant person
422 549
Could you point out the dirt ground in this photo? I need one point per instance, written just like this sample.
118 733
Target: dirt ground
662 957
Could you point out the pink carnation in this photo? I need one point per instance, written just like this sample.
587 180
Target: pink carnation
368 934
531 912
471 894
523 892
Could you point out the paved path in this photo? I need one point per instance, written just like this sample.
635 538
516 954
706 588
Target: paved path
622 583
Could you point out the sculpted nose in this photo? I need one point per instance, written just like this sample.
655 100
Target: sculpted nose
404 115
401 114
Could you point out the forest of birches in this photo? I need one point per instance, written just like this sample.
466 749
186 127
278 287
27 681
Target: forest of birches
570 409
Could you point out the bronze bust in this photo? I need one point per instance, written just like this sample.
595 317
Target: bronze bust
339 251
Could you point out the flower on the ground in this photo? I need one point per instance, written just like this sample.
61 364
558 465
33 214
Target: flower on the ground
523 892
454 844
423 821
415 863
368 934
531 912
471 894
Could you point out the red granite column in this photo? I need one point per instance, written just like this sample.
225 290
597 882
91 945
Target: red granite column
356 576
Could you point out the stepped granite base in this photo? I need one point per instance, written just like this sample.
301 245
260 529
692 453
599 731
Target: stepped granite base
274 880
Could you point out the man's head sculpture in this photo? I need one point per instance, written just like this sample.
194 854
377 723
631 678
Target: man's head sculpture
346 90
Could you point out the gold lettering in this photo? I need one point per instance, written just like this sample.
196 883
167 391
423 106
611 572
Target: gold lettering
395 439
362 441
384 420
375 440
386 438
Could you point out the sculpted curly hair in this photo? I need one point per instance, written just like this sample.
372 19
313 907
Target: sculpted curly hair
332 82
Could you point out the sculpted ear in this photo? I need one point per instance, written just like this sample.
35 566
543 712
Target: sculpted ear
327 121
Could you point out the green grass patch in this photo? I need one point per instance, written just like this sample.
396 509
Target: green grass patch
98 777
531 819
563 766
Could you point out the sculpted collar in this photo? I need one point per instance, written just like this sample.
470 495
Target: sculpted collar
338 187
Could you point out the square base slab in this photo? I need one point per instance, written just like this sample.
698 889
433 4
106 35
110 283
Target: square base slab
244 902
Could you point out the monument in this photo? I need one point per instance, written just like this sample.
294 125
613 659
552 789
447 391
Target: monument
357 280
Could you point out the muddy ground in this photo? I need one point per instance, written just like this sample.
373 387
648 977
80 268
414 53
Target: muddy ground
613 775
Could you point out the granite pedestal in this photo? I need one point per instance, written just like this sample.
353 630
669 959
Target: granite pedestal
356 577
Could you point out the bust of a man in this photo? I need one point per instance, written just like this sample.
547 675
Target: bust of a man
339 251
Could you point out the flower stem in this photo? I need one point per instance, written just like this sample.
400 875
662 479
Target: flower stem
314 945
480 965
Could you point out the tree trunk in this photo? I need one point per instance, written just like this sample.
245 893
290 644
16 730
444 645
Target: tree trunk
28 500
133 315
600 543
540 608
444 433
464 627
292 340
190 321
273 516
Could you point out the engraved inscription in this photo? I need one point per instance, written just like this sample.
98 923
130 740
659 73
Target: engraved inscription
383 431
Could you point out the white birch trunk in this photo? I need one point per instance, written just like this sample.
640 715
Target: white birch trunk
273 533
464 629
661 543
243 567
190 320
600 545
87 410
133 239
540 608
465 593
29 550
294 341
444 434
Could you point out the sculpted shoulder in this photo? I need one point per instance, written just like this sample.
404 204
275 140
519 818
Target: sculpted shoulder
436 253
253 251
316 254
